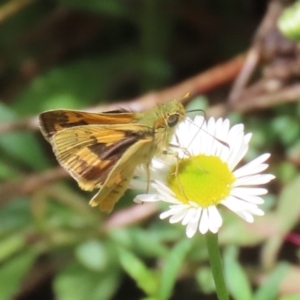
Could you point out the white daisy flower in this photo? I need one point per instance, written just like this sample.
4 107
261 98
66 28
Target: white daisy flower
204 175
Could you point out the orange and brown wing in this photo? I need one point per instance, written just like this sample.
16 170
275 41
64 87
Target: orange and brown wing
54 121
90 152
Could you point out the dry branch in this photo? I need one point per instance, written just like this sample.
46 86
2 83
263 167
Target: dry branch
199 84
30 184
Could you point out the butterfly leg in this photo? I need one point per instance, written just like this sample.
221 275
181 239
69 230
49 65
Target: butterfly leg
178 180
148 176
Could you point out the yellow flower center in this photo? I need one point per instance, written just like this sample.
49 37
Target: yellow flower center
205 180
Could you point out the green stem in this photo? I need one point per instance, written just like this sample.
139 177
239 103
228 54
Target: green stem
216 265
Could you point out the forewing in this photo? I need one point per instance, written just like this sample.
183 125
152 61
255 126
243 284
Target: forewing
89 153
54 121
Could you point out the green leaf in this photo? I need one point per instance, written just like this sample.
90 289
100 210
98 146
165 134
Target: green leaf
79 83
21 145
111 7
14 216
148 243
199 104
287 125
288 217
236 279
92 255
270 289
174 261
11 244
7 171
12 272
286 171
24 147
237 231
205 280
77 283
143 277
74 85
289 22
67 86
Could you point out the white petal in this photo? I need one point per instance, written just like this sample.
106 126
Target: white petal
147 198
162 187
215 219
247 138
138 184
254 166
158 164
225 128
195 218
235 204
238 155
203 226
166 214
250 191
178 216
261 159
256 211
213 228
211 129
199 120
190 230
235 136
167 197
189 215
238 149
165 192
250 170
247 197
192 226
245 216
173 210
140 171
170 199
254 179
225 152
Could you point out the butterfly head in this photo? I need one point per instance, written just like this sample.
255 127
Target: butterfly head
173 113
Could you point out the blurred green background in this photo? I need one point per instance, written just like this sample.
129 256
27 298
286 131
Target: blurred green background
78 54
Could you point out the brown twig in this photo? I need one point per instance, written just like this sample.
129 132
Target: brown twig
30 183
240 83
255 53
201 83
286 94
22 125
132 215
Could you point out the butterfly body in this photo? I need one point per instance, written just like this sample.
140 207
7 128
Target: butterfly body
102 150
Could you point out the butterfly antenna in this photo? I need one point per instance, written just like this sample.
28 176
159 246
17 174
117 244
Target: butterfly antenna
200 128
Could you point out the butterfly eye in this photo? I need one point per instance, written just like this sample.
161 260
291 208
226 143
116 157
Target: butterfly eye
173 120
